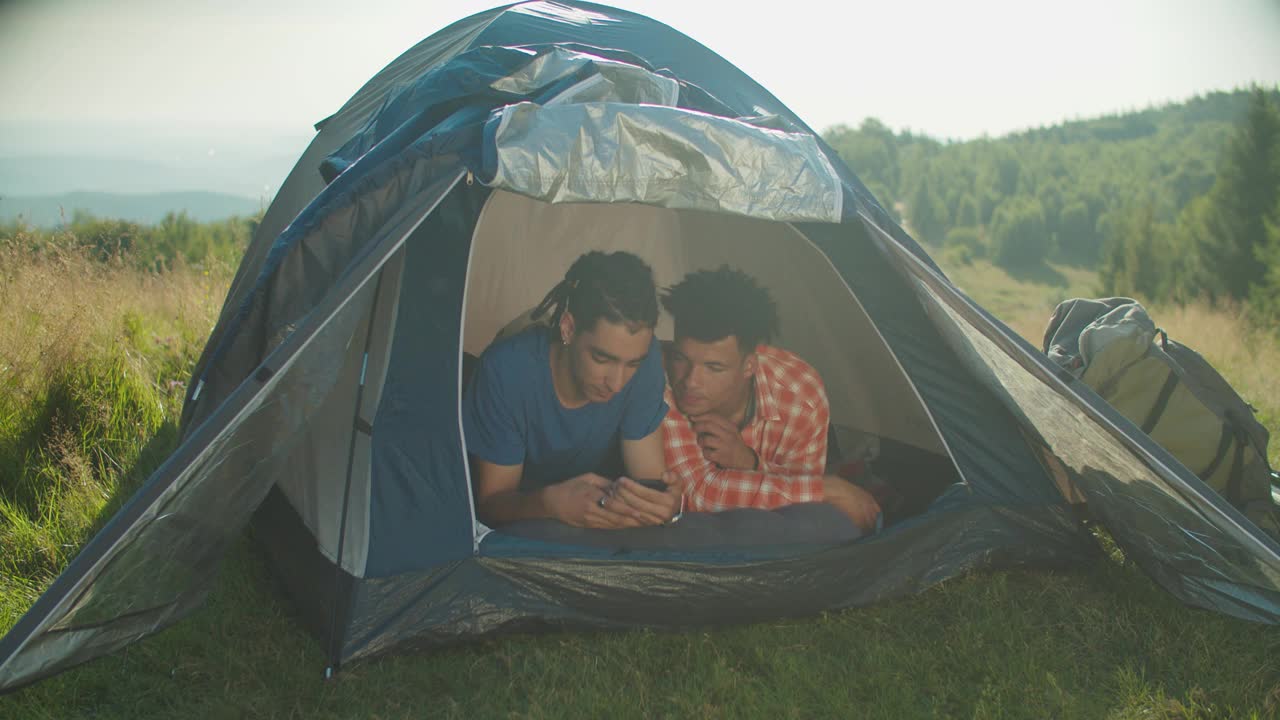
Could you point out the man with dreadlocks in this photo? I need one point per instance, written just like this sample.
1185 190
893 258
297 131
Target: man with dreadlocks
747 425
547 408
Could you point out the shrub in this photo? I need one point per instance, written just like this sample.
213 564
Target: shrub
1018 235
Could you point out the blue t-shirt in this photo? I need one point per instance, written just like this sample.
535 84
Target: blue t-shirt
511 415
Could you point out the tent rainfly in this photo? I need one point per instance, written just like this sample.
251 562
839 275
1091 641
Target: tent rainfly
442 200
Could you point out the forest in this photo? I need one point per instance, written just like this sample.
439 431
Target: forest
1173 203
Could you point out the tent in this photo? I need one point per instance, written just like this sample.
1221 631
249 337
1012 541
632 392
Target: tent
442 200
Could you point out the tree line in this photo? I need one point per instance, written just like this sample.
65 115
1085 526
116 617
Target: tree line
1167 203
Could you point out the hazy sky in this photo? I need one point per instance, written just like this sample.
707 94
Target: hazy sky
948 69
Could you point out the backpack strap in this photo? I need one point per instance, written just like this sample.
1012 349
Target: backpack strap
1237 475
1162 402
1224 444
1235 480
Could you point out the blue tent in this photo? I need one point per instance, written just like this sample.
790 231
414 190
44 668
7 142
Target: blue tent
444 198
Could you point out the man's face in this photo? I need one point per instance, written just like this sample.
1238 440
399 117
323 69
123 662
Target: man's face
709 377
603 359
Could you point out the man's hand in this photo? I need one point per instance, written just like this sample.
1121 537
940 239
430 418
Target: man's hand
578 502
851 500
721 442
654 507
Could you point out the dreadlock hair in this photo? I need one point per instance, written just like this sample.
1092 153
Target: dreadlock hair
615 286
710 305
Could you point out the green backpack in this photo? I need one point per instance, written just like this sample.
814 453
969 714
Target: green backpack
1173 394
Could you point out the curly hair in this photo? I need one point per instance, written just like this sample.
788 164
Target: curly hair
616 286
710 305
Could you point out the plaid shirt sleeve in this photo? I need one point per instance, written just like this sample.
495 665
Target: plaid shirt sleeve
792 450
802 450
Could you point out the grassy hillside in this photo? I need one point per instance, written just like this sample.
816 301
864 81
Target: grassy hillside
1025 301
93 357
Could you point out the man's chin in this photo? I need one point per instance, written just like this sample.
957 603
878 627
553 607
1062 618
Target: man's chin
691 409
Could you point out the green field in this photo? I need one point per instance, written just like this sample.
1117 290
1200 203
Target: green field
92 361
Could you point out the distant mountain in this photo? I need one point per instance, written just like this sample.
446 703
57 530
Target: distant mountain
240 174
52 210
52 159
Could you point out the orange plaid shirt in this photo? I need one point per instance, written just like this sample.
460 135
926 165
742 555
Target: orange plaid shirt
788 433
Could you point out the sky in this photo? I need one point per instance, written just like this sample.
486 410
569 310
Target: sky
952 70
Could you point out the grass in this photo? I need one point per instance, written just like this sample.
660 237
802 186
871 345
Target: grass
91 389
1102 643
1024 303
93 363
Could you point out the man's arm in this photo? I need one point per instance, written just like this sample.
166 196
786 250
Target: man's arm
853 501
575 501
643 458
641 432
795 476
718 488
498 500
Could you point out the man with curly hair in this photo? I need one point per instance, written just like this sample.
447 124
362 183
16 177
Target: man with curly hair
747 424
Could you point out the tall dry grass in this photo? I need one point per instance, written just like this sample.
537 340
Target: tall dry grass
60 306
94 357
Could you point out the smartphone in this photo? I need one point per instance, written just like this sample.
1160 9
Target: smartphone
653 484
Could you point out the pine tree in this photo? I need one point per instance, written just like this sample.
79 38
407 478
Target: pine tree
966 211
1018 236
1077 239
927 214
1264 300
1244 199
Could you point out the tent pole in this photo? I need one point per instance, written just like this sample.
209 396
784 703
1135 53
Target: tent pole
335 644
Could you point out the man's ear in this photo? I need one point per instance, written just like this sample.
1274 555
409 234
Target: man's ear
566 327
749 364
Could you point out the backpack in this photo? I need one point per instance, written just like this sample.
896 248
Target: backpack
1173 394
